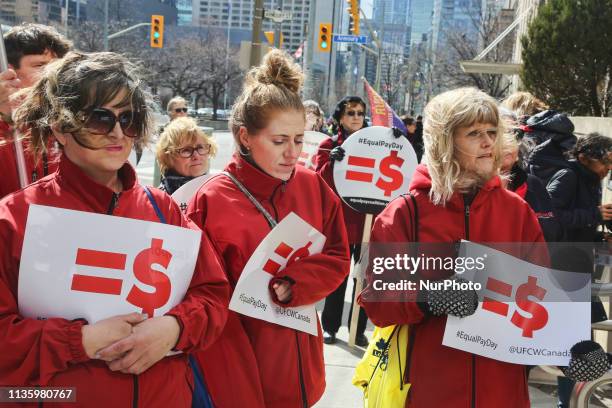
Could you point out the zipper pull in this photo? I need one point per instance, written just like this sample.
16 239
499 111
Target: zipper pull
114 203
283 185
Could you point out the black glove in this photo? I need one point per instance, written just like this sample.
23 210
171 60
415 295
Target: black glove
337 153
397 133
460 303
588 363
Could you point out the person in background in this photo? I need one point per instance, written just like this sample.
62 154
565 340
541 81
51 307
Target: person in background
349 117
177 108
96 107
29 48
576 201
257 363
183 152
524 105
315 118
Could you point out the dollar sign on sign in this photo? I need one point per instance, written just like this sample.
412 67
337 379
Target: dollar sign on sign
394 175
300 253
149 301
539 315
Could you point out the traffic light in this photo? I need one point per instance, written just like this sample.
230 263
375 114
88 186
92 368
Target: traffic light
353 11
325 33
157 31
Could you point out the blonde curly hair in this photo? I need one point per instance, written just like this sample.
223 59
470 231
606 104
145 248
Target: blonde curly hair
180 132
443 116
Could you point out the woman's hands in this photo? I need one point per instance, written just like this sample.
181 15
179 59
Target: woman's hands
131 343
149 342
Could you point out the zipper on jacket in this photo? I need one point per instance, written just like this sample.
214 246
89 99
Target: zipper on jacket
466 214
282 184
300 373
113 203
135 396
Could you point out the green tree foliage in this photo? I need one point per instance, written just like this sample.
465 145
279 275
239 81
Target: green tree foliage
567 56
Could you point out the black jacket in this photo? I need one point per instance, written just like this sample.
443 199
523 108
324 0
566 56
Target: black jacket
576 196
551 135
172 181
534 193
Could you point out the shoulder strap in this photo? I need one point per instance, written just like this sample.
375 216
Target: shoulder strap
271 221
414 219
160 215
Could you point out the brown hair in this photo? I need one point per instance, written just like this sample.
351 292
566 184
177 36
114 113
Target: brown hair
524 104
33 39
176 134
71 87
270 87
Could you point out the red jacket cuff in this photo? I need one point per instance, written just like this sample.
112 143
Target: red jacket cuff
75 341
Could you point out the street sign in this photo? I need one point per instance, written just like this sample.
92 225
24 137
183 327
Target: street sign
359 39
277 16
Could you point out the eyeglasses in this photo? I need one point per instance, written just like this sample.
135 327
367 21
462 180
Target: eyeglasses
353 113
491 133
179 110
102 121
187 152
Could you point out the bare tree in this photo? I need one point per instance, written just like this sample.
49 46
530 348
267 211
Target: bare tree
463 46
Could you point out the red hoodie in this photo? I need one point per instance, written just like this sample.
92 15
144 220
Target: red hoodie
50 352
256 363
35 169
442 376
353 220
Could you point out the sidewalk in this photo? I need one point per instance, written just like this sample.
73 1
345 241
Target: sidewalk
340 362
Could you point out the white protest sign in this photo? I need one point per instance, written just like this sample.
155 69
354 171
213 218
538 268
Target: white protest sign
529 315
310 147
183 194
78 264
292 239
377 167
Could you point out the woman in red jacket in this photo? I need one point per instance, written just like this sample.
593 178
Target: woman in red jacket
95 107
256 363
458 196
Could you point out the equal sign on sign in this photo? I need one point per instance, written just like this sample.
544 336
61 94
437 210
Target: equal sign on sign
98 284
495 306
283 250
360 175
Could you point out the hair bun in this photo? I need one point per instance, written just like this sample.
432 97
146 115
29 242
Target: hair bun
279 69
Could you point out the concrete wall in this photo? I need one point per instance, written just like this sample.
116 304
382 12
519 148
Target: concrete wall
588 124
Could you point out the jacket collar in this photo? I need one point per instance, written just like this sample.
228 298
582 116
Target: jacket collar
259 183
91 193
422 181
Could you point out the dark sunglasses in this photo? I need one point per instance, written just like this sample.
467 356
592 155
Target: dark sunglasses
179 110
102 121
353 113
187 152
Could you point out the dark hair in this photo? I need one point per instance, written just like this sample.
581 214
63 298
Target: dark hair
594 146
72 86
33 39
341 106
408 120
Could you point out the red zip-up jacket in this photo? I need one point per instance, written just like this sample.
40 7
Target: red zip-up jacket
255 363
35 169
50 352
353 220
442 376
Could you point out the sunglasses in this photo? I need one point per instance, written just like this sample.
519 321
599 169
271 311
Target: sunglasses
187 152
179 110
353 113
102 121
